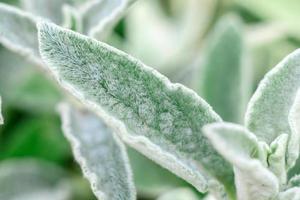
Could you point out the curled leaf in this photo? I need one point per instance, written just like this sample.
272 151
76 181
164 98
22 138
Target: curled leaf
241 148
162 120
99 152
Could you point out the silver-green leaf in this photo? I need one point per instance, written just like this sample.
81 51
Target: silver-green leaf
268 110
224 76
290 194
241 148
99 152
18 32
162 120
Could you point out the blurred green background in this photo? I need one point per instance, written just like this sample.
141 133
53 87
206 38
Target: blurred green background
169 35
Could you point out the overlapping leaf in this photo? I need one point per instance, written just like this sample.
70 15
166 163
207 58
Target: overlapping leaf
101 155
162 120
290 194
224 76
241 148
268 110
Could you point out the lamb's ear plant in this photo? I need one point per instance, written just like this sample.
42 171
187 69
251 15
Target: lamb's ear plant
175 127
162 120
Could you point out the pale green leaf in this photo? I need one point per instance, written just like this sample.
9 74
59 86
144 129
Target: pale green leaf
268 110
72 19
277 157
32 180
162 120
99 152
290 194
18 32
241 148
227 94
179 194
294 121
100 16
48 9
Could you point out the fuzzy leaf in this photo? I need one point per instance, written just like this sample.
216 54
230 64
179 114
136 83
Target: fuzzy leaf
101 155
160 119
1 117
32 180
179 194
268 110
294 121
227 94
290 194
99 16
48 9
13 22
241 148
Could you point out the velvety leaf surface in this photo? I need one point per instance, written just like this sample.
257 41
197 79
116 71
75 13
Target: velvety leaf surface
18 32
99 152
223 78
162 120
241 148
268 110
32 180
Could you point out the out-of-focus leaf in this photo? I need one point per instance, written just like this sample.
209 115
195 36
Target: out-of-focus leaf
156 181
227 94
1 117
268 110
290 194
179 194
294 121
71 19
294 181
281 11
101 155
34 137
32 180
162 120
277 158
241 148
48 9
99 16
18 32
